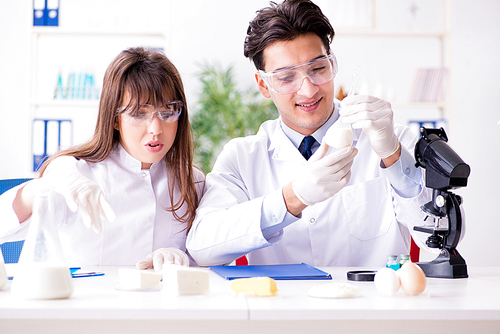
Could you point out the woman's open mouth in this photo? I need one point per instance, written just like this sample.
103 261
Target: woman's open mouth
154 146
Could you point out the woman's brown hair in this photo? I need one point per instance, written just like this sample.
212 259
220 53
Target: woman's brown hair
148 76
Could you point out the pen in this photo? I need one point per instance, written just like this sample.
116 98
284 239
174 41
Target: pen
89 274
77 275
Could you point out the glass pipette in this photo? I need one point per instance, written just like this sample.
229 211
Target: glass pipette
352 89
354 81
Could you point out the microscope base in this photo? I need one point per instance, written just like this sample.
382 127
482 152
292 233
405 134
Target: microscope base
445 266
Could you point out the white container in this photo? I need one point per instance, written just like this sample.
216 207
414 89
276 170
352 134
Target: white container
3 272
42 281
41 272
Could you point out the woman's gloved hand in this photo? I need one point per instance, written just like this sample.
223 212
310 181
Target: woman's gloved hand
162 256
79 192
375 117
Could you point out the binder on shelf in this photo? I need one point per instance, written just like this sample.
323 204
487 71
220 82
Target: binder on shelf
65 139
38 12
437 123
38 147
52 138
429 85
49 135
46 12
278 272
52 11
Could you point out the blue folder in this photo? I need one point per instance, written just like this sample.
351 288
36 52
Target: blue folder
278 272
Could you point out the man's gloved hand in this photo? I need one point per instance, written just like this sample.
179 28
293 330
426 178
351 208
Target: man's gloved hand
324 176
375 117
162 256
79 192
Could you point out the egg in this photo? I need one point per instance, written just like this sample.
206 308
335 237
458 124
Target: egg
412 277
387 281
339 137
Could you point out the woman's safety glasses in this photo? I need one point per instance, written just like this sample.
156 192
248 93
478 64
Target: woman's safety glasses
289 80
144 114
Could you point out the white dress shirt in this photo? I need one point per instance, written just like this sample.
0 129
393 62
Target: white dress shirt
243 209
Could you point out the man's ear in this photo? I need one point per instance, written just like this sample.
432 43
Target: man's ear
262 86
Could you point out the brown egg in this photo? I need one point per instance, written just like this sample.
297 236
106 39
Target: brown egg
412 278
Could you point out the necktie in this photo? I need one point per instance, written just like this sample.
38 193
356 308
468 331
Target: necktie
307 142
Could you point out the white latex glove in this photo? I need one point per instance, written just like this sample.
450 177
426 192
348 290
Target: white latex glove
324 176
79 192
162 256
375 117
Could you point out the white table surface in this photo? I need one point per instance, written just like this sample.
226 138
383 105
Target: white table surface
446 306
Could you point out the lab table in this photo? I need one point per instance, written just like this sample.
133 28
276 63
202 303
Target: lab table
470 305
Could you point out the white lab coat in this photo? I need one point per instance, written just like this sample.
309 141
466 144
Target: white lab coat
138 197
359 226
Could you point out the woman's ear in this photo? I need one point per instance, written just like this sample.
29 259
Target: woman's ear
262 86
117 124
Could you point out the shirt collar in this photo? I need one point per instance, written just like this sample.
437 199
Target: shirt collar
296 138
129 162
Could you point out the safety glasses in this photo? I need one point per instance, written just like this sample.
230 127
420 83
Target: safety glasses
290 79
143 115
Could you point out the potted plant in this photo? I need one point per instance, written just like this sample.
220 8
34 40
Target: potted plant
223 112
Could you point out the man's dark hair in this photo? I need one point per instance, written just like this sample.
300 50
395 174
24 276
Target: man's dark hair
285 22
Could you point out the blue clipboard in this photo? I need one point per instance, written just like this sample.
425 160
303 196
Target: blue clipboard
278 272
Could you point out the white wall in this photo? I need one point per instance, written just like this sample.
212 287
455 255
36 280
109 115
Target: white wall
213 31
475 132
15 21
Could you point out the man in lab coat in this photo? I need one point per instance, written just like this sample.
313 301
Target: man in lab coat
267 198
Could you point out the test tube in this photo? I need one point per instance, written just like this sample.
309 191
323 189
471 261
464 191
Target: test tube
352 89
354 81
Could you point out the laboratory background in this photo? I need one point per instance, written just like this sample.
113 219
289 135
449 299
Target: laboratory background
436 61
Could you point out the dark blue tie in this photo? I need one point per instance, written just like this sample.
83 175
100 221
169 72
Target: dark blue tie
308 142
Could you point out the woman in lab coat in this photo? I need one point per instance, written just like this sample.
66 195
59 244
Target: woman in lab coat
133 182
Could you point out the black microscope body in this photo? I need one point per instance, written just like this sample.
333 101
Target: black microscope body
444 170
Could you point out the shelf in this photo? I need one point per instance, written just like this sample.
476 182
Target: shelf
426 105
66 103
58 31
352 32
437 35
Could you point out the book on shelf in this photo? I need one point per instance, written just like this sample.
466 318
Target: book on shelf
429 84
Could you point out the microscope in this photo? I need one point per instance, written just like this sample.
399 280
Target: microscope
444 170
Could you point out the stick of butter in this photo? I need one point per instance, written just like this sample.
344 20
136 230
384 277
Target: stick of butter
134 279
255 286
179 280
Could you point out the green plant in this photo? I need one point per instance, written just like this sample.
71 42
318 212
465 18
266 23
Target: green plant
223 112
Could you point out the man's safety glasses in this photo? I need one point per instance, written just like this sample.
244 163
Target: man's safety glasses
144 114
290 79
